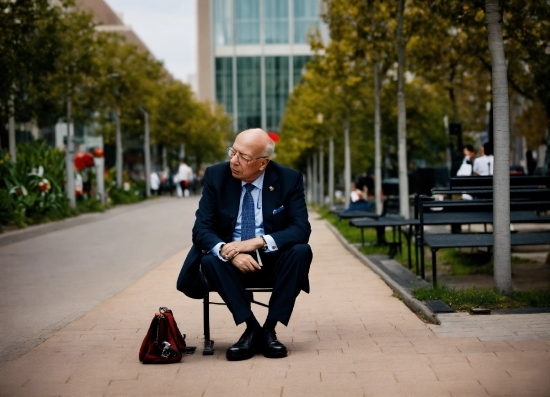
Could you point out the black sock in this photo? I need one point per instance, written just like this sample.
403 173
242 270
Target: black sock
270 324
252 323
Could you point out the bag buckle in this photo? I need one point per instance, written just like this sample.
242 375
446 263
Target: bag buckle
166 350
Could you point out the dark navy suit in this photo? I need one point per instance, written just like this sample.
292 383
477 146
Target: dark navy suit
285 219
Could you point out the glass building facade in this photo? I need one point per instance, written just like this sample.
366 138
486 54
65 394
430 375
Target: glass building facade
260 48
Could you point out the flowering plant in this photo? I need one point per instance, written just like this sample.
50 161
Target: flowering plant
32 189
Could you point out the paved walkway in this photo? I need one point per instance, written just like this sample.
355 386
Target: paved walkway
349 337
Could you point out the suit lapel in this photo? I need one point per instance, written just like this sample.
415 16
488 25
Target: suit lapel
270 194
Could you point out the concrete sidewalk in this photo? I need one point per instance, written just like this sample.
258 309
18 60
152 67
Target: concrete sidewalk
349 337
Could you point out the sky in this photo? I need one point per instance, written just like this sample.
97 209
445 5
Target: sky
168 29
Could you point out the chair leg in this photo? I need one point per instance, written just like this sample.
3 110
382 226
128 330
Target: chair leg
208 343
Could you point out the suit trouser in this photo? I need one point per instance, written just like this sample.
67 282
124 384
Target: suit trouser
285 271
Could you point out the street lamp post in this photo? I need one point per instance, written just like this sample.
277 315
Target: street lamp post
147 153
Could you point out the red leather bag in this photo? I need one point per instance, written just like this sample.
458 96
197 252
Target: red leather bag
164 343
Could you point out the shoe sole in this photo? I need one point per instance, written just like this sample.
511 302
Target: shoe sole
239 358
276 355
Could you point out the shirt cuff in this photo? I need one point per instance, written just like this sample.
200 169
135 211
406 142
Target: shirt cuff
271 245
216 251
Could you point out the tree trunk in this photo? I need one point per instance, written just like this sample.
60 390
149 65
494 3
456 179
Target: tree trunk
347 164
377 143
331 172
309 180
321 176
147 155
164 158
501 171
546 163
402 118
315 185
118 152
69 157
11 131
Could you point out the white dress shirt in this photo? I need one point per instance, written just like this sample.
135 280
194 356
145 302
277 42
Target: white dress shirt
483 165
258 215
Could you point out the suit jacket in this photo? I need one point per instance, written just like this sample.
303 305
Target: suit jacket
283 207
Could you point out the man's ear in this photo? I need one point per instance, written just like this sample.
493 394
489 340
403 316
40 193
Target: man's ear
264 164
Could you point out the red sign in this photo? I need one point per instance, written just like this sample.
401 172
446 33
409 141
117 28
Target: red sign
274 136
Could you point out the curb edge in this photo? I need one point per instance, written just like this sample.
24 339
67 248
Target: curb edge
412 303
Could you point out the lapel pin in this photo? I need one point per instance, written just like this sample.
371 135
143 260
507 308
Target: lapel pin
271 188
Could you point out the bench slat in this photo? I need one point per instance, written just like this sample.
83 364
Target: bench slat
483 239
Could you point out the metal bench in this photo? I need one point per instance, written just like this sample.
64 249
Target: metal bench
437 241
383 222
458 212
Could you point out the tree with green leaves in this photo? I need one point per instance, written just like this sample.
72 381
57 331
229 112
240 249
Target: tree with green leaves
29 45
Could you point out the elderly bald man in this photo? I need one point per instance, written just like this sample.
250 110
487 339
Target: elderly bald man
251 205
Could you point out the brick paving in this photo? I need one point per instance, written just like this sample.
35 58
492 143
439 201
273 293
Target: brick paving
349 337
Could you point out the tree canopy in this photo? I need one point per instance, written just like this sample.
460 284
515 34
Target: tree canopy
52 54
448 72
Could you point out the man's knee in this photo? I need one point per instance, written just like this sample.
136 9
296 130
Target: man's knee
210 265
302 251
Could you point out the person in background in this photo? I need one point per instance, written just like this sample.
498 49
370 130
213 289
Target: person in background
185 177
358 200
356 194
483 165
469 154
466 167
154 182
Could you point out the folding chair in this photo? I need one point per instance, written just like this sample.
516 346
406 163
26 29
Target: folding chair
209 343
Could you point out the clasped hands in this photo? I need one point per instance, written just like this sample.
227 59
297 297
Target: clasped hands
237 252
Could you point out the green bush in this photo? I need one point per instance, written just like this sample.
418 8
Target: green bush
117 195
32 190
89 205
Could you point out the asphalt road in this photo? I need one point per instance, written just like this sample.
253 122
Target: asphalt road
51 277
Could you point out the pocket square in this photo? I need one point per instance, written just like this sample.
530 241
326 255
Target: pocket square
277 210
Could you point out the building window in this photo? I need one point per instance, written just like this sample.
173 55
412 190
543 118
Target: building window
276 21
306 16
223 22
247 21
276 90
299 63
249 92
224 83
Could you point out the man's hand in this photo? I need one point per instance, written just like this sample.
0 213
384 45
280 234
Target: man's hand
230 250
245 263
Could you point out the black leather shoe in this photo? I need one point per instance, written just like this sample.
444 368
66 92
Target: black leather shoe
247 345
271 346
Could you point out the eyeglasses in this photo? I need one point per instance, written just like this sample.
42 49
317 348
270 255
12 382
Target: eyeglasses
240 158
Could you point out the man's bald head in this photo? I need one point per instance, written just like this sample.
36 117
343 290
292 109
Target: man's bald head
257 139
252 150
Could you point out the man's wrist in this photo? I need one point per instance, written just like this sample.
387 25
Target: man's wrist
264 244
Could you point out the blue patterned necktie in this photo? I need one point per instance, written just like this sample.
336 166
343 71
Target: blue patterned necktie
248 221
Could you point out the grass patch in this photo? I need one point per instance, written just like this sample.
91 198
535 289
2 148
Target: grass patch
464 263
473 261
464 300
